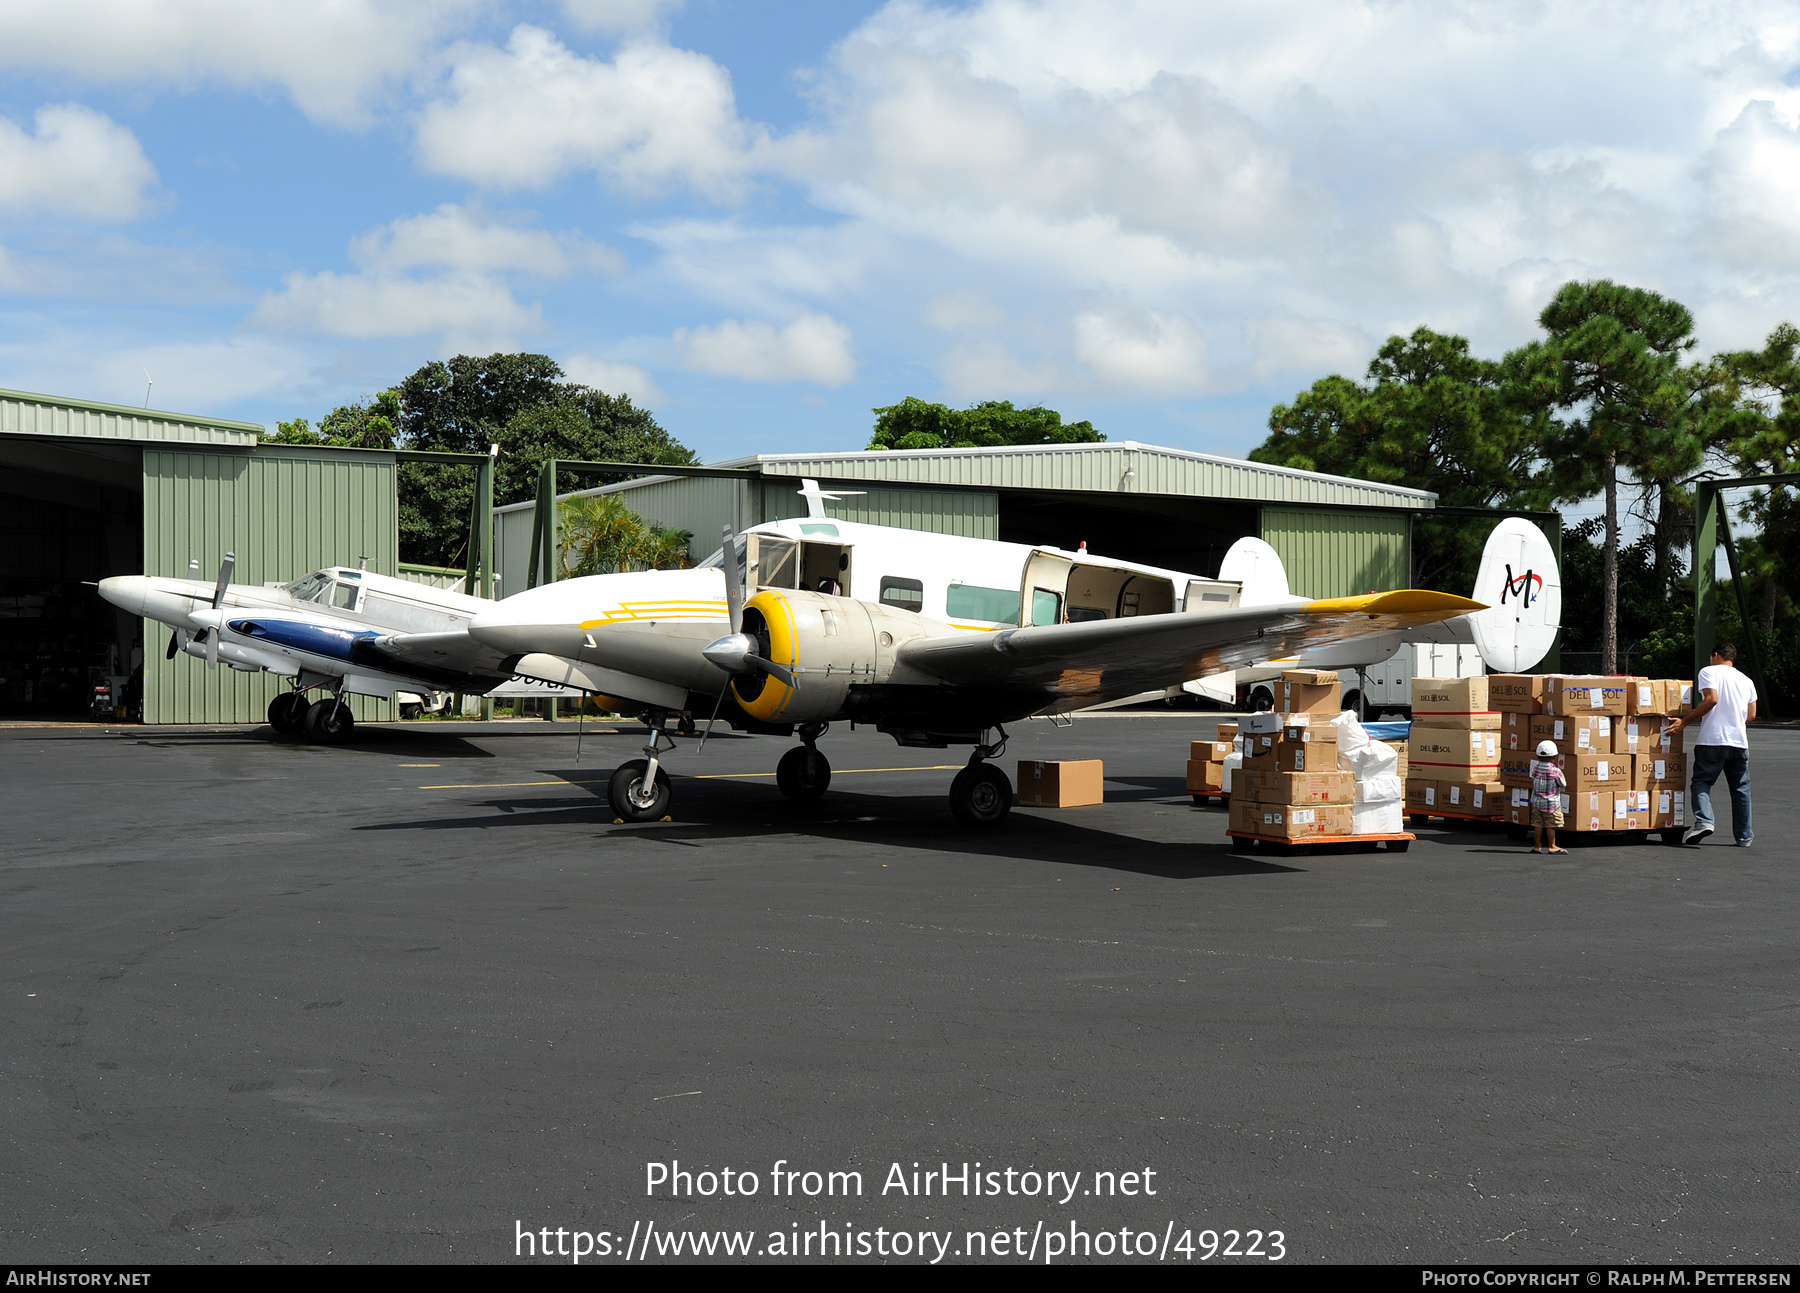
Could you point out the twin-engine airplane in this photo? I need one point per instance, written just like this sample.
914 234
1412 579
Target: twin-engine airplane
939 641
335 630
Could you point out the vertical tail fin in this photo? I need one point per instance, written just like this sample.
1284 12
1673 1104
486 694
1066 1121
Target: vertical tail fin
1522 587
1257 567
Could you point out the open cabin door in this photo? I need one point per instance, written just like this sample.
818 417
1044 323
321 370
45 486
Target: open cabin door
817 565
1044 588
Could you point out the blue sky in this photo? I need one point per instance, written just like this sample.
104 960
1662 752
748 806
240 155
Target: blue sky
763 219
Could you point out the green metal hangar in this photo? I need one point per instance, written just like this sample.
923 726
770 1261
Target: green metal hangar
89 490
1138 502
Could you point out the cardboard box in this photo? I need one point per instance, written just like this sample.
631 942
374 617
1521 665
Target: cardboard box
1515 730
1678 696
1587 811
1445 751
1630 813
1066 783
1607 772
1215 751
1310 691
1518 805
1205 777
1246 816
1577 734
1269 722
1304 788
1298 823
1666 770
1297 749
1668 808
1400 747
1422 794
1654 736
1474 798
1644 696
1636 734
1515 767
1516 693
1226 732
1585 694
1450 698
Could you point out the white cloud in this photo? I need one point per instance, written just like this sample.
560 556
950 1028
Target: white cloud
963 310
988 370
614 378
78 163
454 237
813 348
1287 345
335 60
469 306
1752 173
1141 352
616 15
526 115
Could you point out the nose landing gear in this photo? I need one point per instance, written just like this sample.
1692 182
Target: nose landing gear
639 790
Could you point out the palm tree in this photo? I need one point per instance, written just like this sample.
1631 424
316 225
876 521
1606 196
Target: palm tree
600 535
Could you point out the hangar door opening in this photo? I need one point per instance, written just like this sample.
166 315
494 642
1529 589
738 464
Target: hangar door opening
1188 534
69 517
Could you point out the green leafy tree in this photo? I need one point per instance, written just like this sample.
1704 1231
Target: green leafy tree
1612 365
916 424
600 536
368 424
1430 416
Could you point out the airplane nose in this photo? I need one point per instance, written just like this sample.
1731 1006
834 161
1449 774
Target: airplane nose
127 592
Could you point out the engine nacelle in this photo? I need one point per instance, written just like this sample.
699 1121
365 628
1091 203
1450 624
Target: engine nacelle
832 644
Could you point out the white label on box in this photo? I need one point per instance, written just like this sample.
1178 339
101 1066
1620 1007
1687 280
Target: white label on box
1303 816
1512 740
1644 701
1563 802
1593 823
1631 741
1456 794
1299 760
1431 796
1666 742
1662 803
1662 769
1493 749
1521 797
1601 775
1037 769
1558 727
1681 808
1605 725
1687 693
1581 740
1620 808
1595 699
1478 803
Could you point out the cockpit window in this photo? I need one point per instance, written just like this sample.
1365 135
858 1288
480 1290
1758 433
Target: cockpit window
312 588
344 597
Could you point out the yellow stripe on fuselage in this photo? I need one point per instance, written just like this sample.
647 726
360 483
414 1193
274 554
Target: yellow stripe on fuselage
628 612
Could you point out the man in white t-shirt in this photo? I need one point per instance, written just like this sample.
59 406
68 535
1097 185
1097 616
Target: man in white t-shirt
1727 705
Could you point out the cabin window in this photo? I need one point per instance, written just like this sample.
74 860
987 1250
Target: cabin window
1046 606
972 602
777 563
1085 614
344 596
902 594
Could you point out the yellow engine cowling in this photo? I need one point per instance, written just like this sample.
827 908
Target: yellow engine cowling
832 643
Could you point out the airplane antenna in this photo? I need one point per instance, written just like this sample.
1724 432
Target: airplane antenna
148 383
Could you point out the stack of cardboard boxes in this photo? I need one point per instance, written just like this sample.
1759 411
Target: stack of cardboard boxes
1454 764
1212 765
1473 741
1290 787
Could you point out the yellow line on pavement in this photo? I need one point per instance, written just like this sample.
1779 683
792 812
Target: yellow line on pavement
709 776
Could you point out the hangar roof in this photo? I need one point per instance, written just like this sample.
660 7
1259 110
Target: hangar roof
1119 466
23 413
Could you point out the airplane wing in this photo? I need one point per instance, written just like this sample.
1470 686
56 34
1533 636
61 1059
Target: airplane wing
432 654
1107 659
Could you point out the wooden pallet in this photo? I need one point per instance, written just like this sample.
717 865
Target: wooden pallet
1201 801
1396 843
1419 818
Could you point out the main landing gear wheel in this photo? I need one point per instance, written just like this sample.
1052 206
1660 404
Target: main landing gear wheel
981 795
329 722
629 798
287 713
803 774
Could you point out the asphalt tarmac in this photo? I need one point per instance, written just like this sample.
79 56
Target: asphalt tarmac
408 1000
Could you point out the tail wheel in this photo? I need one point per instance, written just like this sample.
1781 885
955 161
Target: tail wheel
631 799
287 713
329 722
981 795
803 774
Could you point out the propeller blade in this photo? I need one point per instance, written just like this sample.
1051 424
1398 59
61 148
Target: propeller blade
734 584
225 568
212 648
717 706
780 671
174 645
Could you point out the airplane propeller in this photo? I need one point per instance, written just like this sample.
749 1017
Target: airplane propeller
735 653
218 599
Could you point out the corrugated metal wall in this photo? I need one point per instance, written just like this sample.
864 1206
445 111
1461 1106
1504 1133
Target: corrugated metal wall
1338 553
973 514
284 512
31 414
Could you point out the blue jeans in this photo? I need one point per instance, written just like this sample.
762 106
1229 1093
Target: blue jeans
1734 762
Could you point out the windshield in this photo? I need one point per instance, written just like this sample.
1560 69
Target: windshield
312 588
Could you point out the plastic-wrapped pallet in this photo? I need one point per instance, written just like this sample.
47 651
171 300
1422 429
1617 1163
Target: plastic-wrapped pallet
1233 763
1380 794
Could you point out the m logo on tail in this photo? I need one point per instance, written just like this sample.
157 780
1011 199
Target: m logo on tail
1526 587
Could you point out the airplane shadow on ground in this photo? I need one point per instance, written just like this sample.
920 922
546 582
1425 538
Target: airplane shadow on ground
724 811
385 742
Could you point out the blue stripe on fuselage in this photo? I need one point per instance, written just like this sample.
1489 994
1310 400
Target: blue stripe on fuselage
318 639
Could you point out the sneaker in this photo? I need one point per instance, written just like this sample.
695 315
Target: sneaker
1743 844
1697 832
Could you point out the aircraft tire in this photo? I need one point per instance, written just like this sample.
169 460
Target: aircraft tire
630 776
803 774
287 713
329 722
981 795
